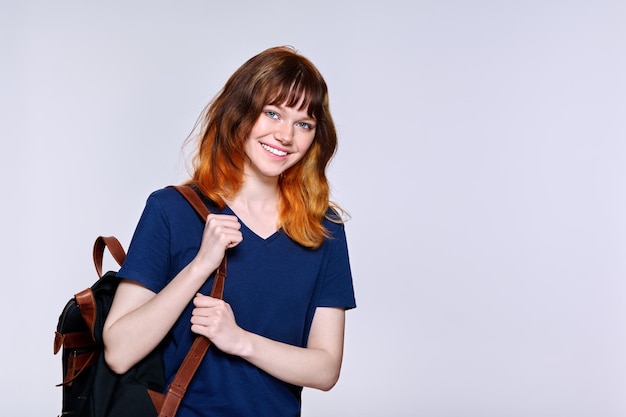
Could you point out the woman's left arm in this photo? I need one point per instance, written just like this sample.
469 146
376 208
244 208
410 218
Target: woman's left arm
316 366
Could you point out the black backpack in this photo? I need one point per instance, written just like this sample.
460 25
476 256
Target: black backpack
79 333
90 387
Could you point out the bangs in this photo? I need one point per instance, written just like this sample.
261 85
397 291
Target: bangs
301 88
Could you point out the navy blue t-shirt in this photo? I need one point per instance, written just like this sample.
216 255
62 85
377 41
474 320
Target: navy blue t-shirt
273 286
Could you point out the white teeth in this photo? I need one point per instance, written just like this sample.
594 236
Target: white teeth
274 151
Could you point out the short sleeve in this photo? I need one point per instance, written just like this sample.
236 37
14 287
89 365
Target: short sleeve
337 288
147 261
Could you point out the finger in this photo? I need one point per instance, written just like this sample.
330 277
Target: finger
235 239
228 237
199 301
223 217
197 317
224 232
225 220
205 301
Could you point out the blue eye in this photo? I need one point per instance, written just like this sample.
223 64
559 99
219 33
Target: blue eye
271 114
305 125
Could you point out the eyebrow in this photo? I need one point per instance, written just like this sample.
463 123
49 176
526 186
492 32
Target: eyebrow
282 106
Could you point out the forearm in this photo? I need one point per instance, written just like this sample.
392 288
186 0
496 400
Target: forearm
316 366
130 336
309 367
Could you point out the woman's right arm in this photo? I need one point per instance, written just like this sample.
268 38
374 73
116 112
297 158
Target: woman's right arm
139 319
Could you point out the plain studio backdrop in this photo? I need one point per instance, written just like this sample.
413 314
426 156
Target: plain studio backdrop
482 157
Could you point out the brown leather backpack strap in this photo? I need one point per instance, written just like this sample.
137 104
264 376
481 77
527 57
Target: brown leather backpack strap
194 200
115 248
177 388
88 309
85 299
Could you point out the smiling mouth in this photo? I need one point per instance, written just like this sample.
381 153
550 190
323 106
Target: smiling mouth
273 151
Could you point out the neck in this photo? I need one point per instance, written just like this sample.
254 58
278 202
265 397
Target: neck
256 205
257 192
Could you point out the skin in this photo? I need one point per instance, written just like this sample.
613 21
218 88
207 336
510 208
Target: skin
139 319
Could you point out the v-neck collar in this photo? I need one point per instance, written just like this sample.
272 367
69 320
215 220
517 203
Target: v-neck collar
252 232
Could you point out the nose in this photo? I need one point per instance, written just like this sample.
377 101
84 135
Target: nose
284 133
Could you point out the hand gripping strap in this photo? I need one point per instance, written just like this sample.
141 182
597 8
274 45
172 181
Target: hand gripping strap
177 388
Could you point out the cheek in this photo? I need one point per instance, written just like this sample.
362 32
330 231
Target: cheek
306 142
249 146
306 148
256 130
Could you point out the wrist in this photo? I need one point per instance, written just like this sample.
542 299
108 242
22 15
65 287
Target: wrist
245 348
200 269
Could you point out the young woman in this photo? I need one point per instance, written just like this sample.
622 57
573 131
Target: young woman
264 145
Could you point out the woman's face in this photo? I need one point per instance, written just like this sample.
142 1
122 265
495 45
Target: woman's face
280 137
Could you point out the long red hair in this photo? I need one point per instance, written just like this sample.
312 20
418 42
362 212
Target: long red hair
278 76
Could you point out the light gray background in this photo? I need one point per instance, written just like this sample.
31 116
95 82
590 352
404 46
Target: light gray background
482 157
